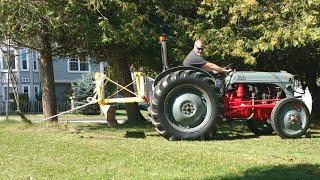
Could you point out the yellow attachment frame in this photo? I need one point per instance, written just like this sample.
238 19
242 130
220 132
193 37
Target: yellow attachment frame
105 102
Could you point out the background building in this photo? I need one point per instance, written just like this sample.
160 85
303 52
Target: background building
27 73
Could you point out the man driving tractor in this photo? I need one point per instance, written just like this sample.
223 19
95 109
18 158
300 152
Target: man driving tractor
195 59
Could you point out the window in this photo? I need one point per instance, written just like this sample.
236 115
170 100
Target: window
36 92
24 59
11 95
25 80
4 79
8 56
84 66
75 65
26 91
35 58
35 80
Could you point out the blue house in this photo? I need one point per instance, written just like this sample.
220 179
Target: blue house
27 73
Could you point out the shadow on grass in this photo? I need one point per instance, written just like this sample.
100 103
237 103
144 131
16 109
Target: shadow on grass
6 122
233 131
121 127
315 125
93 127
228 136
227 131
312 133
298 171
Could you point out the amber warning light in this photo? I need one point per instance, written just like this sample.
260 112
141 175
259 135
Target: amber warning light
162 38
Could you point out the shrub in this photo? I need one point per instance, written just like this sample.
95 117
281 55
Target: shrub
83 89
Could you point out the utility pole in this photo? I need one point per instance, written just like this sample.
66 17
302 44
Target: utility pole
10 60
7 100
6 58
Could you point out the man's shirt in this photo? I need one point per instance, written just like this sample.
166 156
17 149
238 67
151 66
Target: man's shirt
194 60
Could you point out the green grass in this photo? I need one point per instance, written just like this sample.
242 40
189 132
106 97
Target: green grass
119 113
95 151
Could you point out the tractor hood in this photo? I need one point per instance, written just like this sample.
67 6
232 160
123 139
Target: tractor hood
259 77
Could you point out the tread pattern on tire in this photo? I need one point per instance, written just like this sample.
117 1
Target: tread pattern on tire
175 77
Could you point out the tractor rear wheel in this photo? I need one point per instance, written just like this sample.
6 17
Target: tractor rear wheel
259 127
186 106
290 118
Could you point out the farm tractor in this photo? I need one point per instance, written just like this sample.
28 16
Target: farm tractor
187 105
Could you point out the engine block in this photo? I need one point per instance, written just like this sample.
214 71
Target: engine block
251 101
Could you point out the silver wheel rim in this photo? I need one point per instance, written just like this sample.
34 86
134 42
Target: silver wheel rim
294 119
187 108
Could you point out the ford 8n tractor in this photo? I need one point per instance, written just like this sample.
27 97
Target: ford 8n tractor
186 104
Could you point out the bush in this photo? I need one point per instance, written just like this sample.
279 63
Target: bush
83 89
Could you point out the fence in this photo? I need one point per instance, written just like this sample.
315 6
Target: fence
32 107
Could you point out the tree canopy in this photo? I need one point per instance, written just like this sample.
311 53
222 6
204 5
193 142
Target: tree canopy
50 27
262 35
246 28
271 35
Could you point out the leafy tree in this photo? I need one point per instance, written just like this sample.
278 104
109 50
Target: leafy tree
129 31
123 31
50 27
269 35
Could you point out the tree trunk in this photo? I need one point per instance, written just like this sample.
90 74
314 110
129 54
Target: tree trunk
315 93
123 73
47 84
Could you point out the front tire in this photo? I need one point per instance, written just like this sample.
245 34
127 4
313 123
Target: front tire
186 106
290 118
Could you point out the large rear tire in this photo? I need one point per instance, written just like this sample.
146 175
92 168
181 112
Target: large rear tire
290 118
186 106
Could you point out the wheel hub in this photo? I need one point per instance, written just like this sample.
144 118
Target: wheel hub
292 118
188 108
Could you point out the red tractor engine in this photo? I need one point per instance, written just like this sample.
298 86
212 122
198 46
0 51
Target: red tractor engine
251 101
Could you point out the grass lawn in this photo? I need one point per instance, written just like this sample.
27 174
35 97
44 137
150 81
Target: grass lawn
95 151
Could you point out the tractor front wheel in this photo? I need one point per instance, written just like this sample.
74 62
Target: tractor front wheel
290 118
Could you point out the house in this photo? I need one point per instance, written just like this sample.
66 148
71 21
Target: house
70 70
27 73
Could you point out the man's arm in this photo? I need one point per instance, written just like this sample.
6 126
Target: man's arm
211 67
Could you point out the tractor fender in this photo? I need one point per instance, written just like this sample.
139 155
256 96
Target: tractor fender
178 68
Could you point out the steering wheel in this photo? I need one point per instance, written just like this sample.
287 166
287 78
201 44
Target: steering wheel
228 66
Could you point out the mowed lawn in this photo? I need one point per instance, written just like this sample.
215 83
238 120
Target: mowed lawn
95 151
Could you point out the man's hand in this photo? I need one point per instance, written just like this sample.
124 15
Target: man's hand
226 71
213 68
